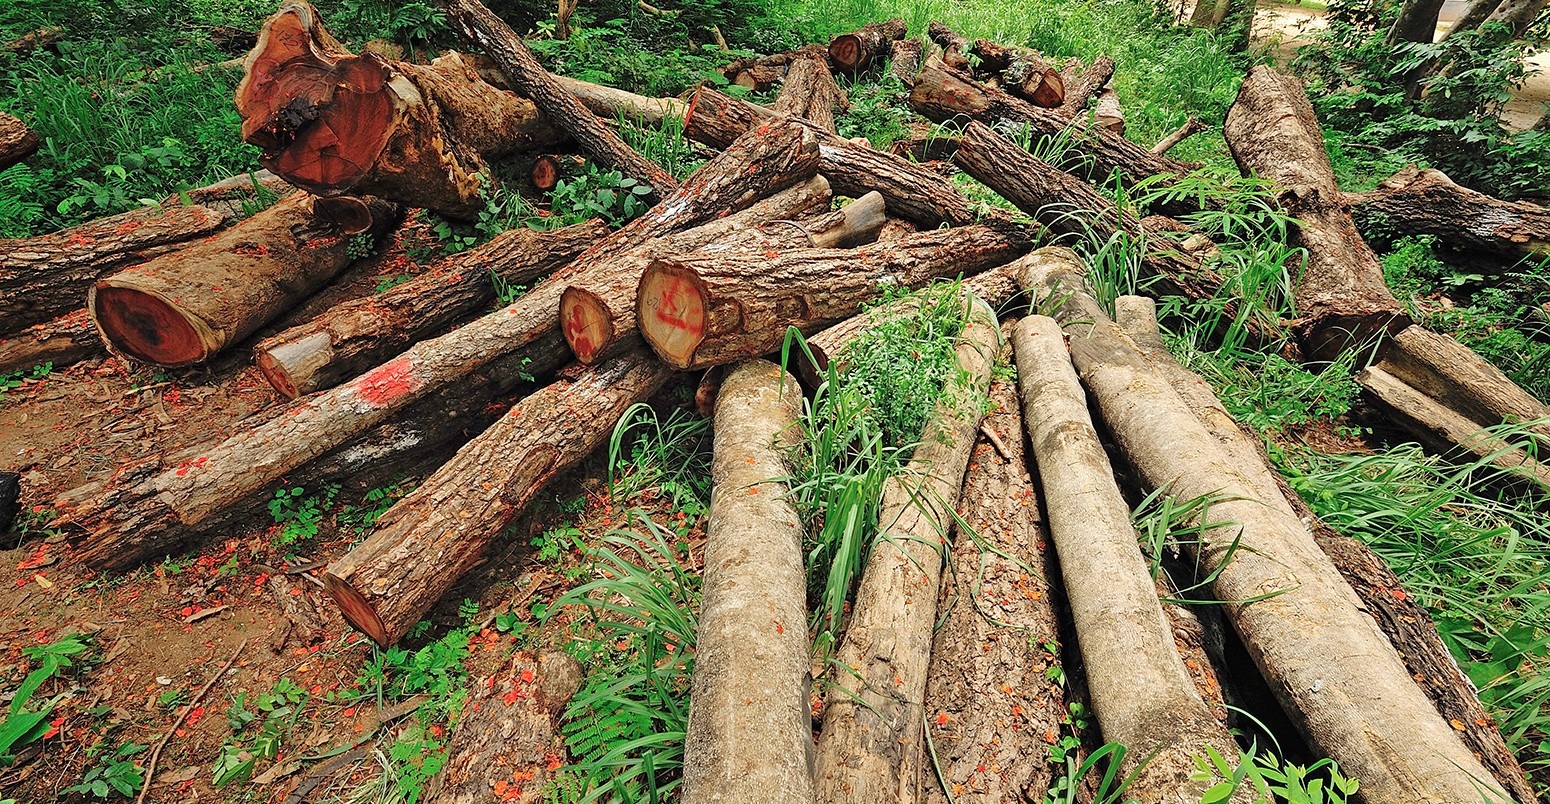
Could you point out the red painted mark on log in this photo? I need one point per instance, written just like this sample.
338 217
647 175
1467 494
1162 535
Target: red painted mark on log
668 311
576 328
387 383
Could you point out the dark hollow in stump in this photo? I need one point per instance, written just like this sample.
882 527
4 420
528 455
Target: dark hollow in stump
549 169
853 52
63 341
751 651
599 317
871 746
332 122
358 335
183 308
989 702
809 92
703 310
509 731
17 142
1426 201
530 78
911 191
1340 295
431 538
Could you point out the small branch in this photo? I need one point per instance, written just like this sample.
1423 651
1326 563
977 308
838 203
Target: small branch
995 441
1191 126
721 41
653 10
150 767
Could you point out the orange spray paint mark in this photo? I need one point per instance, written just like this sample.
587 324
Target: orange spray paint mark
387 383
669 313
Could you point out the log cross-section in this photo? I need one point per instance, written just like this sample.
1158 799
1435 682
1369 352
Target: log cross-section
854 51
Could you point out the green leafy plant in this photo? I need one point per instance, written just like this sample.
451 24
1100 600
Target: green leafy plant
1271 779
14 380
21 724
362 517
259 733
117 776
299 515
659 457
598 194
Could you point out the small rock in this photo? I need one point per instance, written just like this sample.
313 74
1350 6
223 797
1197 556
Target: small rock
164 681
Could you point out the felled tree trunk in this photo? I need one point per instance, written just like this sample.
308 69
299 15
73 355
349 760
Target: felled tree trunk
60 342
911 192
1340 294
1450 373
332 122
709 309
1108 114
1426 201
1334 672
145 509
762 72
530 78
750 732
871 747
183 308
1084 85
17 142
955 47
1405 621
1023 73
358 335
989 701
855 51
904 62
599 317
1126 640
1178 135
508 735
610 102
809 92
926 143
431 538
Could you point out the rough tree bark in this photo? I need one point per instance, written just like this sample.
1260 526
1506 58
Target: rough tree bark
1517 15
1108 114
17 142
703 310
429 539
750 732
1334 672
854 51
610 102
762 72
955 48
599 318
1478 12
509 732
1126 639
529 78
1084 85
809 92
871 747
333 122
1426 201
1417 22
360 334
144 509
988 660
183 308
926 143
905 60
1023 72
63 341
1341 296
1450 373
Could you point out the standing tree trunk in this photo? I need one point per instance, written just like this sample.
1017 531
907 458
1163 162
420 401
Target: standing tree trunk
1208 13
1126 640
750 733
360 334
17 142
871 747
431 538
60 342
332 122
1334 672
990 659
1517 15
508 736
854 51
1426 201
183 308
704 310
530 78
1417 22
1479 11
809 92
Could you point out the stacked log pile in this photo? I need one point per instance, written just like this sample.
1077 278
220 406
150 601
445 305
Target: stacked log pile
791 226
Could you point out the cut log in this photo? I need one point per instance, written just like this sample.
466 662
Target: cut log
941 94
990 671
750 732
1126 640
147 508
926 143
361 334
911 191
855 51
762 72
1334 672
704 310
183 308
1460 380
599 318
549 169
332 122
955 48
1178 135
612 103
809 92
1082 85
1426 201
1402 618
529 78
60 342
47 276
904 61
1108 114
1070 207
429 539
996 287
1341 296
17 142
509 732
1023 73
